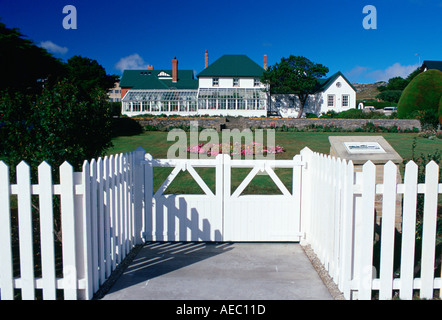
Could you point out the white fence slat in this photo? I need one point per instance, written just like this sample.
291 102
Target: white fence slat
94 225
112 220
47 231
86 231
429 229
137 183
123 218
25 231
296 188
408 231
347 231
100 219
68 231
148 193
6 273
387 231
118 228
107 212
367 219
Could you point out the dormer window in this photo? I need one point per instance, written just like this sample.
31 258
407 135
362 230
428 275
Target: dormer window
215 82
236 82
164 75
256 82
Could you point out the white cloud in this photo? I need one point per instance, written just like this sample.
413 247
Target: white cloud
134 61
52 47
396 70
356 72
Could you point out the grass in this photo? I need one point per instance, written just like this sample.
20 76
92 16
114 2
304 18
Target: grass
156 144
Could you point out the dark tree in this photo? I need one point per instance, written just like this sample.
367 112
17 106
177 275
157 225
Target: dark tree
294 75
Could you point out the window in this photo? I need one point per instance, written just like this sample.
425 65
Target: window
145 105
212 103
330 100
136 106
256 82
192 106
345 100
251 104
241 104
173 105
236 82
231 104
215 82
222 104
202 104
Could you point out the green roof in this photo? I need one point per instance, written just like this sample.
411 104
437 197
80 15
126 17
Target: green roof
231 65
324 83
149 79
433 64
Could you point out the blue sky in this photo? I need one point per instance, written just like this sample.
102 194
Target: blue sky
135 33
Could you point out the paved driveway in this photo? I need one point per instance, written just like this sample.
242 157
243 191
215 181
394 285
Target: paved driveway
219 271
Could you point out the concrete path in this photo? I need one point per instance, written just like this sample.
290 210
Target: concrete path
219 271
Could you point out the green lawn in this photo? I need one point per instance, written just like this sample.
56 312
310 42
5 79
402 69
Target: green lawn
156 144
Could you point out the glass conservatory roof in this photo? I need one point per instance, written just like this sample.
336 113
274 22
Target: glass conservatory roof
235 93
160 95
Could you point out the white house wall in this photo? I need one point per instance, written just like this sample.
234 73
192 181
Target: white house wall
288 104
227 83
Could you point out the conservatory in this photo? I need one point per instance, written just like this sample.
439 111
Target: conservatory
210 101
232 102
168 102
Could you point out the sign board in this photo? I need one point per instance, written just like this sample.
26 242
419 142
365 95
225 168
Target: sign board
360 149
364 147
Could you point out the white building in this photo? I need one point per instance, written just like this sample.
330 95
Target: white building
230 86
335 93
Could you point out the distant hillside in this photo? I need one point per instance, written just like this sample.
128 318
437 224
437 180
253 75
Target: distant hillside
367 90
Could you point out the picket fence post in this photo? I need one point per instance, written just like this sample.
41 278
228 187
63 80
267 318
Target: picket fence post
306 193
6 270
47 231
138 179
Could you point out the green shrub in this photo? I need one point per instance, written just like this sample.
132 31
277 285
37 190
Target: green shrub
420 99
440 110
390 95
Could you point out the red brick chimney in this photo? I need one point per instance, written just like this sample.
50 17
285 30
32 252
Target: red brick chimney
174 70
149 67
265 62
206 60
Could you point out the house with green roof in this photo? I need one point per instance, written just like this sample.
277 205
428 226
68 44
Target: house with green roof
334 93
431 64
230 86
159 91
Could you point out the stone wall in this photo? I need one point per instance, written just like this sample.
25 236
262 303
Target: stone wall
241 123
206 123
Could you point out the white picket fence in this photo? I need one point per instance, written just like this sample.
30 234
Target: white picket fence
102 220
97 223
339 220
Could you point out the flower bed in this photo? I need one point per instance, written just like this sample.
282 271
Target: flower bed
235 149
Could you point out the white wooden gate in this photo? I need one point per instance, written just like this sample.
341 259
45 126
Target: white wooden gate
222 215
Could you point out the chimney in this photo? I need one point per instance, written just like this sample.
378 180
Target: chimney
174 70
149 67
206 60
265 62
